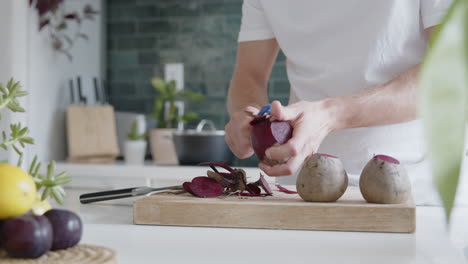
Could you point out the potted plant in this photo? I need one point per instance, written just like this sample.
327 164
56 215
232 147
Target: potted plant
47 185
135 146
168 117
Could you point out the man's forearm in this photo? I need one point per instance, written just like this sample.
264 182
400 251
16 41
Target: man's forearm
246 91
390 103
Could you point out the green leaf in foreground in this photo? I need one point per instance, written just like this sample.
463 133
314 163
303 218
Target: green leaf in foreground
50 182
444 80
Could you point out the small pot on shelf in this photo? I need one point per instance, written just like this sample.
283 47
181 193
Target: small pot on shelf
135 145
162 146
200 145
135 151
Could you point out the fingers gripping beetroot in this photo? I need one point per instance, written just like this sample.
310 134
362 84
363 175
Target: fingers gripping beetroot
206 187
266 133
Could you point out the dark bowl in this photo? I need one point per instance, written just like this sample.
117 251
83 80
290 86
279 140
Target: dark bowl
193 147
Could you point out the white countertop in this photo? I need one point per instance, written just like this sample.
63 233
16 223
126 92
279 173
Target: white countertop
110 224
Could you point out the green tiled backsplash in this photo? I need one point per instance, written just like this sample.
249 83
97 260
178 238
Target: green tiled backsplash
143 35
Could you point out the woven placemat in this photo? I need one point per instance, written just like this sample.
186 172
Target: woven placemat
80 254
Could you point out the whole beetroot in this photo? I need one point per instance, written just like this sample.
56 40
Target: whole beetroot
322 179
266 133
384 180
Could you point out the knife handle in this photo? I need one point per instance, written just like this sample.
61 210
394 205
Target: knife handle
106 195
96 90
72 92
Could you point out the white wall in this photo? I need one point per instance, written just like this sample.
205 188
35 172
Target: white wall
49 73
13 58
5 59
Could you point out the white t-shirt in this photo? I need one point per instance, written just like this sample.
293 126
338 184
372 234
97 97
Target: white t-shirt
336 47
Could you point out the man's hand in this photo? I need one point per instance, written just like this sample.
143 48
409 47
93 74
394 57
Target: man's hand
238 132
312 122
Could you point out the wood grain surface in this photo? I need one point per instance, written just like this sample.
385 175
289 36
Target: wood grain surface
280 211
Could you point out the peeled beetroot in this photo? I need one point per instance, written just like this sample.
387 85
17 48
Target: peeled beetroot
253 189
186 186
384 180
206 187
262 182
285 190
217 183
266 133
322 179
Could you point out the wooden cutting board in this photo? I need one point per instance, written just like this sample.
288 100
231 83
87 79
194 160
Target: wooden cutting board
280 211
80 254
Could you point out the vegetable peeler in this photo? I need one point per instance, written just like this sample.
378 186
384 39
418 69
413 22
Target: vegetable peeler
265 110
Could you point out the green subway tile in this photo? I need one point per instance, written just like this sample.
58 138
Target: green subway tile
148 11
143 35
123 88
144 2
279 71
144 74
119 58
281 57
211 24
123 74
194 73
156 27
121 13
232 25
205 41
212 8
167 41
112 3
280 88
130 104
194 86
121 28
145 89
148 57
111 44
170 56
180 9
217 90
136 43
188 25
232 8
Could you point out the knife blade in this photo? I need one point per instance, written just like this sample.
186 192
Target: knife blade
81 98
96 91
72 92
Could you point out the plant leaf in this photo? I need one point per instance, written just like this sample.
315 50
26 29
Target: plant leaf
192 95
444 102
159 85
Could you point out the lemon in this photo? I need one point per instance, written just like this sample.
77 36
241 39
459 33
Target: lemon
17 191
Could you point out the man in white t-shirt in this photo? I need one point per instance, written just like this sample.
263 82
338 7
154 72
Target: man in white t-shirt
352 67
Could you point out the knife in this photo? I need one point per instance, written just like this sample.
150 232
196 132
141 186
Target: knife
123 193
72 92
81 98
96 91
